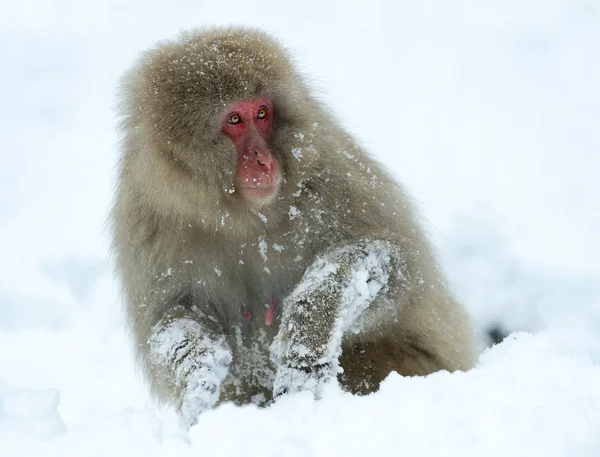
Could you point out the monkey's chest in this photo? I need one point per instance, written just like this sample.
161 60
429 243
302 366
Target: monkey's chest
251 373
252 287
270 309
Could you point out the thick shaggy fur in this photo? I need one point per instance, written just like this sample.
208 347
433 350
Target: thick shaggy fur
182 237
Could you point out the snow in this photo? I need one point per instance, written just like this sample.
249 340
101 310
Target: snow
486 111
536 395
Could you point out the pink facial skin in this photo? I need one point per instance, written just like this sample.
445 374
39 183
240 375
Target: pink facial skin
248 124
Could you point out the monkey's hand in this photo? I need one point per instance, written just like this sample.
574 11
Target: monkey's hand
191 362
297 379
326 303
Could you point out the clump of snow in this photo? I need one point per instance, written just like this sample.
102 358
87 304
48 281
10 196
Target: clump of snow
293 212
297 153
30 413
263 218
262 249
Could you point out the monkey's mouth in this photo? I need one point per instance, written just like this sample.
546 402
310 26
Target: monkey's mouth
259 193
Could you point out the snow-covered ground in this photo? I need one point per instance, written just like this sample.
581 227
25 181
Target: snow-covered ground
488 111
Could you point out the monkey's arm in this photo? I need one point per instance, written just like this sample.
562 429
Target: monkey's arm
188 361
333 292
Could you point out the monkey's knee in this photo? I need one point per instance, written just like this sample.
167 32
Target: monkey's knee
367 363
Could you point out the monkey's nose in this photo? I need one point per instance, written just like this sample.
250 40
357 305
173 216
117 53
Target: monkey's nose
264 160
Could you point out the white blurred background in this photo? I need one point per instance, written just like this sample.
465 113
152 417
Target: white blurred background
487 111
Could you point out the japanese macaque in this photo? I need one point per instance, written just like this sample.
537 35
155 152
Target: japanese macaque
261 250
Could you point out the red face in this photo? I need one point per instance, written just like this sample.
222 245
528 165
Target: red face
248 124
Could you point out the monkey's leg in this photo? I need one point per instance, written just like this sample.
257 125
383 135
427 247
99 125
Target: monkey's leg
427 336
187 362
333 292
367 363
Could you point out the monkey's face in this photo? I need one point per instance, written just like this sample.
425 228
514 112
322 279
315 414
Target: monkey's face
248 125
220 114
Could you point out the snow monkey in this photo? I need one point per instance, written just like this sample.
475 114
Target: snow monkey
261 250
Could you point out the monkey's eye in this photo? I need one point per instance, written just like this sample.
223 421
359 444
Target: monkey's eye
262 113
234 119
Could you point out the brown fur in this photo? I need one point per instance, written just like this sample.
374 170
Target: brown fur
185 244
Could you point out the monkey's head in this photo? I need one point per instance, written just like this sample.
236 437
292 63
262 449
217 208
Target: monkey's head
209 119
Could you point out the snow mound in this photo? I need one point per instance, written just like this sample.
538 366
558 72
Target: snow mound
531 395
